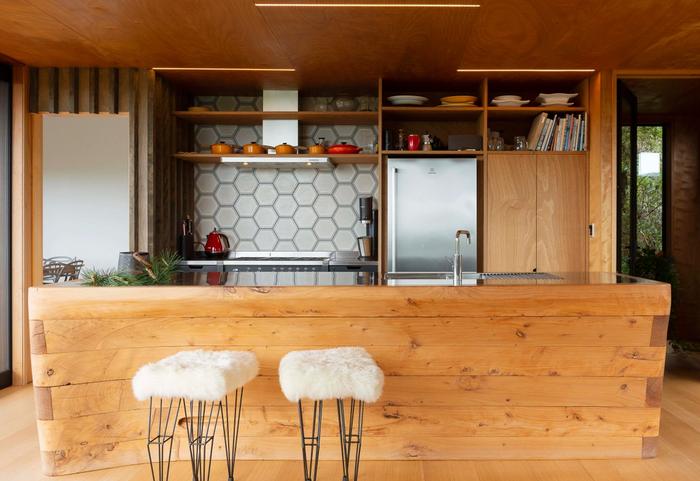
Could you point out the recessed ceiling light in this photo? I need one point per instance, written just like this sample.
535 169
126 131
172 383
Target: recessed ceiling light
525 70
370 5
227 69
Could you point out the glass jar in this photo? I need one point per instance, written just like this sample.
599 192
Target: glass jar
520 142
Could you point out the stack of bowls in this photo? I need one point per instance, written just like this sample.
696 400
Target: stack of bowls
509 101
458 101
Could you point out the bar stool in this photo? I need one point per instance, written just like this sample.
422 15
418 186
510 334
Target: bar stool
200 382
340 373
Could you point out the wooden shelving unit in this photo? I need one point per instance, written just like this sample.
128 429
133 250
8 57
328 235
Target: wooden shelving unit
433 153
431 113
256 117
520 112
337 159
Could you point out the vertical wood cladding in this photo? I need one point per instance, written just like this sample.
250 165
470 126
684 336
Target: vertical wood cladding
69 90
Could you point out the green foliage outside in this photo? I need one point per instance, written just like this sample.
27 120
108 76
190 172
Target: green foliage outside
160 271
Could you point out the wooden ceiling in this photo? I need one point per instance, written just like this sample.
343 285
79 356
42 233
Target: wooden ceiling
353 46
666 96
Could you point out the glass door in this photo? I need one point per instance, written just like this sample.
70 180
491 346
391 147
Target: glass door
5 219
626 179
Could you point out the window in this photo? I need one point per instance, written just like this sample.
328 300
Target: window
642 225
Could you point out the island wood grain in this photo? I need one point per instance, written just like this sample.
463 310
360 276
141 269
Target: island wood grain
492 372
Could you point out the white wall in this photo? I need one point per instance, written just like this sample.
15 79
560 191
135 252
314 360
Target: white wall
86 187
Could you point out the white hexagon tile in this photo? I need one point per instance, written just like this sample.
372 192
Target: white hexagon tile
284 210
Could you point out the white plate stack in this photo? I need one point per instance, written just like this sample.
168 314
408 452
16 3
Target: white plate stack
407 100
509 101
559 100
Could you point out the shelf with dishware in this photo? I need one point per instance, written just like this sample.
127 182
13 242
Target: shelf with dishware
336 159
237 117
433 153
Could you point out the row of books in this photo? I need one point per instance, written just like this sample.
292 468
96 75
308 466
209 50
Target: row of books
559 133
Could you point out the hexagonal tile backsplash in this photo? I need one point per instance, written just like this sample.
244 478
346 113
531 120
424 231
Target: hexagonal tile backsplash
284 210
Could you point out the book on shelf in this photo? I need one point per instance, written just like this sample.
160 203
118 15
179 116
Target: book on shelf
565 133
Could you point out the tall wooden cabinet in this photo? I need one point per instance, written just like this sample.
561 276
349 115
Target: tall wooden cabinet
536 214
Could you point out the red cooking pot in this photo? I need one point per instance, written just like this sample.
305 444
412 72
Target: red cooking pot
343 148
217 244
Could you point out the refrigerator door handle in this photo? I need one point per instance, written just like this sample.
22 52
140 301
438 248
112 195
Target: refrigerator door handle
392 212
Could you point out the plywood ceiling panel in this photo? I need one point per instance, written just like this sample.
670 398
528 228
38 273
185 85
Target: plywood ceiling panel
350 45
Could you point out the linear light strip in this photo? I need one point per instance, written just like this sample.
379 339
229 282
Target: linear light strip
227 69
370 5
525 70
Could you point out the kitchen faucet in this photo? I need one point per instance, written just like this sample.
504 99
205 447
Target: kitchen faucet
457 260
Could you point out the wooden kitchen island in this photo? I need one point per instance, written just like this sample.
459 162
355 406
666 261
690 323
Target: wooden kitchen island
499 370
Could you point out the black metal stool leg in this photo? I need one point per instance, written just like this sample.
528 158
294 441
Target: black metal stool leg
312 442
350 433
162 441
231 427
201 422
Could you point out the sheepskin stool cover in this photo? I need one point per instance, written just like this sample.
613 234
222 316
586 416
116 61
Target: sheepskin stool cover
195 375
343 372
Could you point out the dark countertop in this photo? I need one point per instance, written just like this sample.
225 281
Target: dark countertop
271 279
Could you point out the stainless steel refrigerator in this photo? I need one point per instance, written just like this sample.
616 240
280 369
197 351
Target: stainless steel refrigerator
428 199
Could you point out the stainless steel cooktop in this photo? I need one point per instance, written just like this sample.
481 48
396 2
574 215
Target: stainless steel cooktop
242 261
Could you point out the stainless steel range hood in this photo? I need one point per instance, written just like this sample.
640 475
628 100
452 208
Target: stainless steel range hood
279 162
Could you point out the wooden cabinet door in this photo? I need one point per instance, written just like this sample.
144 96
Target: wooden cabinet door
561 213
511 206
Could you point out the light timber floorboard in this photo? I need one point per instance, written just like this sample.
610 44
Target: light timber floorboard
678 456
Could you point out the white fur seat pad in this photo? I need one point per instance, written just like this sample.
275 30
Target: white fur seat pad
343 372
196 375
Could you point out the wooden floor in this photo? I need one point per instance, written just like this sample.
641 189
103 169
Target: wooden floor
678 459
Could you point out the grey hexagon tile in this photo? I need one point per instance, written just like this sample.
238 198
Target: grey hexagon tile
265 239
285 182
226 131
347 131
204 227
246 245
205 100
345 240
364 136
265 194
245 205
324 183
305 176
285 205
226 217
206 136
345 217
226 102
345 172
246 134
324 245
265 217
230 234
325 205
359 229
305 194
265 176
207 183
326 132
285 229
245 182
225 173
246 228
305 217
365 183
206 205
365 167
202 168
286 245
304 240
324 229
345 194
226 194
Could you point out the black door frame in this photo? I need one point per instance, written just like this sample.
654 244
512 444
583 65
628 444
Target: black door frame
6 156
625 95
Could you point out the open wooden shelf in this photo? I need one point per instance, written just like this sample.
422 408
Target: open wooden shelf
256 117
337 159
536 152
433 153
431 113
519 112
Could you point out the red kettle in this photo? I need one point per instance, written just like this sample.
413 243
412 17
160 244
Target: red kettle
217 244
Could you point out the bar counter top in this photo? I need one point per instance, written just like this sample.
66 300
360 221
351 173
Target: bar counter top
507 369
